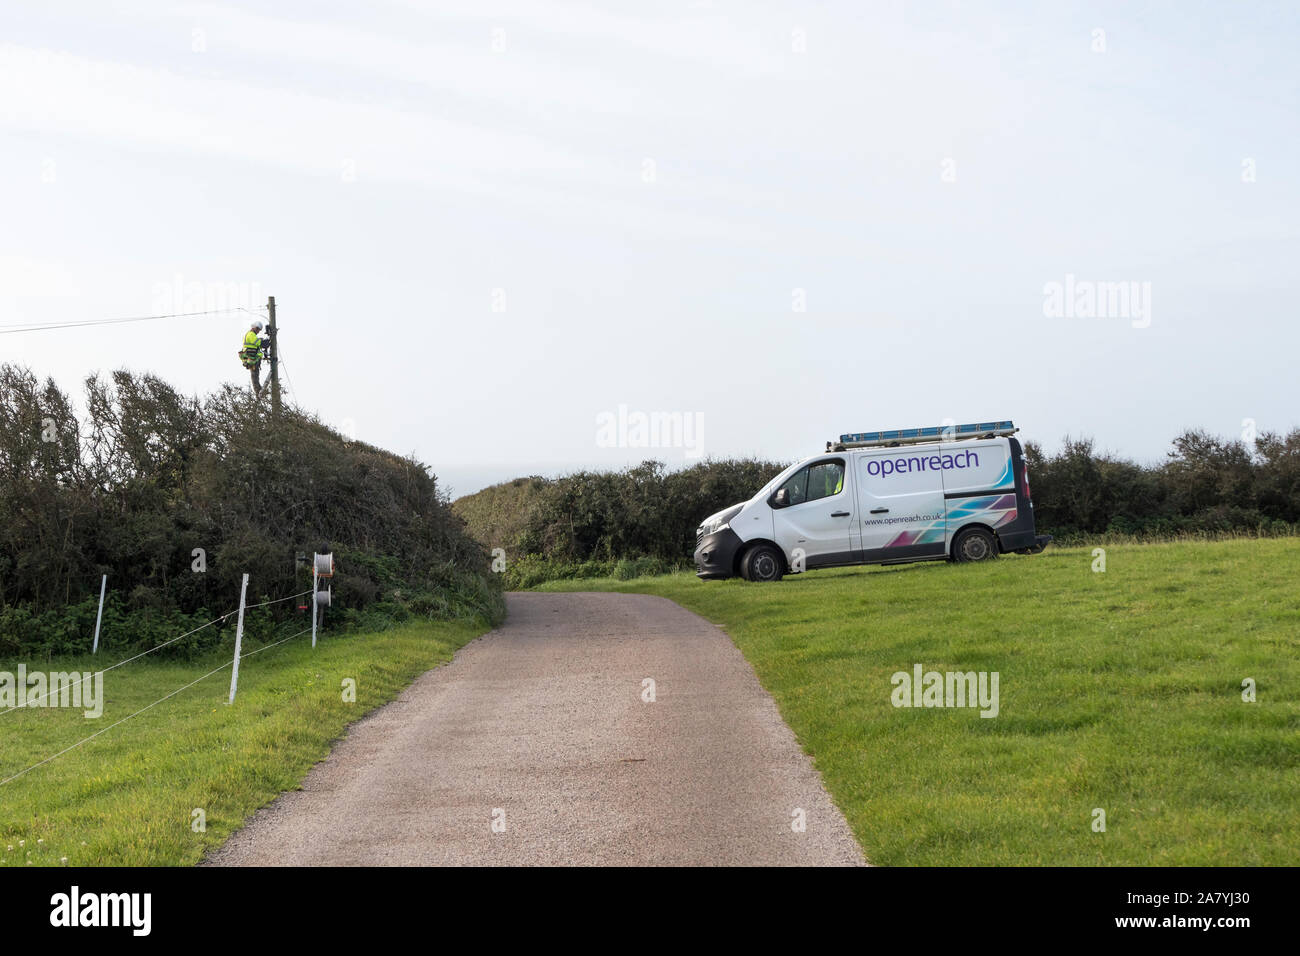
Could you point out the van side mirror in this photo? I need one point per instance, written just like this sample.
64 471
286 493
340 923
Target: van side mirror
781 498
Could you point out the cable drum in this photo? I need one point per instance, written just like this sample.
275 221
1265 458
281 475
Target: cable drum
323 598
324 565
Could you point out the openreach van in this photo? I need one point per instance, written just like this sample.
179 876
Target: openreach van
958 492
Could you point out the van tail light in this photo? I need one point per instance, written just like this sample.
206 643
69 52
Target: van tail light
1024 473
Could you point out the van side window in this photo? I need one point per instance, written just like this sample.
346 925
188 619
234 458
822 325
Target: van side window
796 487
826 478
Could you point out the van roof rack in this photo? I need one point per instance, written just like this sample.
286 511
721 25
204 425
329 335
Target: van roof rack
913 436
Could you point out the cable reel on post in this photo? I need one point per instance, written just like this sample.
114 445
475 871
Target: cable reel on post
322 566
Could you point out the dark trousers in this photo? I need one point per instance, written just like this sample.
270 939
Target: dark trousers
255 373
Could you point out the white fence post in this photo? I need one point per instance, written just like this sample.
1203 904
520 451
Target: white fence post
239 638
103 583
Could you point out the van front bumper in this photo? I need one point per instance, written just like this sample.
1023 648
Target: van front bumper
715 554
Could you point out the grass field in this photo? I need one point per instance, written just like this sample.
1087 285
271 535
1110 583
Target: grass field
128 796
1119 690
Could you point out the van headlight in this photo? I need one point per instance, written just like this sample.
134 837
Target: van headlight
713 526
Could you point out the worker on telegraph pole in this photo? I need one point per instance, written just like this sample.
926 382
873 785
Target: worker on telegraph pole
251 355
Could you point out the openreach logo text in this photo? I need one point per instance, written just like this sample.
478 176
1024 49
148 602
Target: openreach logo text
76 689
884 467
923 688
75 908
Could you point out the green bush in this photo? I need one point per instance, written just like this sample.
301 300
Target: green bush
1207 486
645 511
151 475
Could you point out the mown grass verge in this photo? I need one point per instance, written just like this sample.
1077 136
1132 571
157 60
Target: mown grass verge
1119 690
129 796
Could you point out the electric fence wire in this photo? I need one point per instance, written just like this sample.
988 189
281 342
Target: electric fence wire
120 663
105 670
249 607
150 706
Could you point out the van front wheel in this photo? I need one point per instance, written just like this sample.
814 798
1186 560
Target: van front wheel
761 563
975 544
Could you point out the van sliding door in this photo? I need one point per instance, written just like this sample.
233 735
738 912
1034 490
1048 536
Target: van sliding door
900 503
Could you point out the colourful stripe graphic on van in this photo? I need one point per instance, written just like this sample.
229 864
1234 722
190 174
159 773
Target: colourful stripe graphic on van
993 510
1008 480
929 535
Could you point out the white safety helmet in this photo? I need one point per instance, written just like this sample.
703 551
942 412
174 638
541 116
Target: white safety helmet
257 326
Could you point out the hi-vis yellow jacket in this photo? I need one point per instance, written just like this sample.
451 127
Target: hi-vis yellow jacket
251 353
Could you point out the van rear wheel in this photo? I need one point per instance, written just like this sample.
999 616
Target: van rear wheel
975 544
762 562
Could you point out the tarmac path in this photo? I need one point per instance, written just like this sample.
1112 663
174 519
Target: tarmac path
534 746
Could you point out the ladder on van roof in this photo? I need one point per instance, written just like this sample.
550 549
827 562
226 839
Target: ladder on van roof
913 436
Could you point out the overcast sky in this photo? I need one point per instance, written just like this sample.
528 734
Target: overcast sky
489 224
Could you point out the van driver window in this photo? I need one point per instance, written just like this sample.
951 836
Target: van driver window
825 479
796 487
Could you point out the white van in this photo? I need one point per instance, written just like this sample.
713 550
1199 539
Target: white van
959 492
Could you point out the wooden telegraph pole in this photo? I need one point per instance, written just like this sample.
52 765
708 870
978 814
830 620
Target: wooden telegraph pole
275 359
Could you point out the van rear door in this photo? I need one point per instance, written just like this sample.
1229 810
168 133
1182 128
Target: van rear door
981 487
900 503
